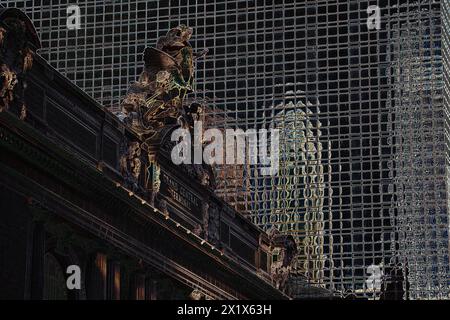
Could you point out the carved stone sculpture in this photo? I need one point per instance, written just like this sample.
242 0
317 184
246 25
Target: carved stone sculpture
130 163
156 104
197 295
18 42
286 248
9 82
156 99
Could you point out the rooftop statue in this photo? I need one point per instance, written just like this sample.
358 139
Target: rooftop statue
155 104
157 98
153 107
18 43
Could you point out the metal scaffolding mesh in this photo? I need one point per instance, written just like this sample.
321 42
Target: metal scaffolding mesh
363 178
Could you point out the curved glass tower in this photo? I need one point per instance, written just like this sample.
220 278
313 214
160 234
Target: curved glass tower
296 195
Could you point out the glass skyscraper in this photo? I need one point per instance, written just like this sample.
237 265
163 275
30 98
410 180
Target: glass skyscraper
419 170
353 186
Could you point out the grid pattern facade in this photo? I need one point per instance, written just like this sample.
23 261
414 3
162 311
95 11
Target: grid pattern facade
312 69
420 182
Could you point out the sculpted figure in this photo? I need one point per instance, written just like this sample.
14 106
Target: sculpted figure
17 39
287 249
130 163
156 99
196 295
8 83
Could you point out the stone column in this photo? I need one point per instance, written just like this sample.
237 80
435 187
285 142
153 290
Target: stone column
37 262
139 287
96 289
113 283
